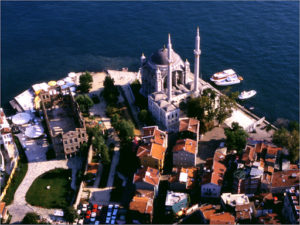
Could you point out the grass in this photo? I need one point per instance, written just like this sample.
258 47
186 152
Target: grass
58 196
19 175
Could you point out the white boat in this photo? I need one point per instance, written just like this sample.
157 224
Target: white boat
247 94
228 81
222 75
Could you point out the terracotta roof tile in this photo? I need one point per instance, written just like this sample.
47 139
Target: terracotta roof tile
144 205
288 178
222 218
2 207
158 151
189 124
148 175
187 145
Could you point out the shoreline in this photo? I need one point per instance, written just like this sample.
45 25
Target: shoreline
124 73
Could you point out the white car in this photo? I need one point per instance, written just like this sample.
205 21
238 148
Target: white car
97 222
108 214
112 221
110 206
116 206
93 214
93 219
78 211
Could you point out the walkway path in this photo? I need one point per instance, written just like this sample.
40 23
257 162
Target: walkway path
20 207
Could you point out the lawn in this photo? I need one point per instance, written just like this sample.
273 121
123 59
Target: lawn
58 196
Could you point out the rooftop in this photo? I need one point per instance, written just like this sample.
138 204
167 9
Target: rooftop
184 175
189 124
288 178
176 200
234 199
187 145
148 175
143 205
222 218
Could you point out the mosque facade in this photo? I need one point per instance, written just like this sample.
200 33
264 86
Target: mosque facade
167 81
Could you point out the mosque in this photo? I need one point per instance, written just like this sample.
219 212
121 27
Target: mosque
167 81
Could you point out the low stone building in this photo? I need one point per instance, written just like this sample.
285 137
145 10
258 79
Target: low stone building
185 153
64 121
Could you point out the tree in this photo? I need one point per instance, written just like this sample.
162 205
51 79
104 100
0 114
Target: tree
126 130
85 82
236 138
289 139
110 91
224 109
84 102
70 214
31 218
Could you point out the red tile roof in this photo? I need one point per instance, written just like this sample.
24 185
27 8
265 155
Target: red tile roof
144 205
222 218
148 175
156 147
288 178
191 175
187 145
217 169
189 124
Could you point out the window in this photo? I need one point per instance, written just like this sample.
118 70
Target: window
75 139
82 135
66 142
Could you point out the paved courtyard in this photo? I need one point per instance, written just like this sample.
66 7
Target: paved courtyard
37 165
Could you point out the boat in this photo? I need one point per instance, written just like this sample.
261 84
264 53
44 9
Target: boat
222 75
228 81
247 94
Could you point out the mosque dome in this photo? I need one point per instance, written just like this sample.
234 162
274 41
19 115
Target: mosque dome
160 57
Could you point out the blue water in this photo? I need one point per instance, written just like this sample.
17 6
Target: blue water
42 41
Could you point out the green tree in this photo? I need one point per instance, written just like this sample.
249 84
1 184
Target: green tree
110 91
236 138
289 139
84 102
143 115
85 82
70 214
126 130
224 108
31 218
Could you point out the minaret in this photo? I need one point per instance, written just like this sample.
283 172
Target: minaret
169 70
143 59
158 80
197 53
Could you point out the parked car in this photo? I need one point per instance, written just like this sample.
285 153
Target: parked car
115 212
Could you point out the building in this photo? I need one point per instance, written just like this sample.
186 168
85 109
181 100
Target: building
291 207
64 121
183 179
214 171
281 180
232 200
147 178
166 81
8 150
141 207
184 153
152 150
176 201
222 218
189 128
270 218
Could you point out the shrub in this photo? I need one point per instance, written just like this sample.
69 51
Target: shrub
31 218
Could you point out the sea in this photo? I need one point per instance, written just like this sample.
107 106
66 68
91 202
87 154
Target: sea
42 41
